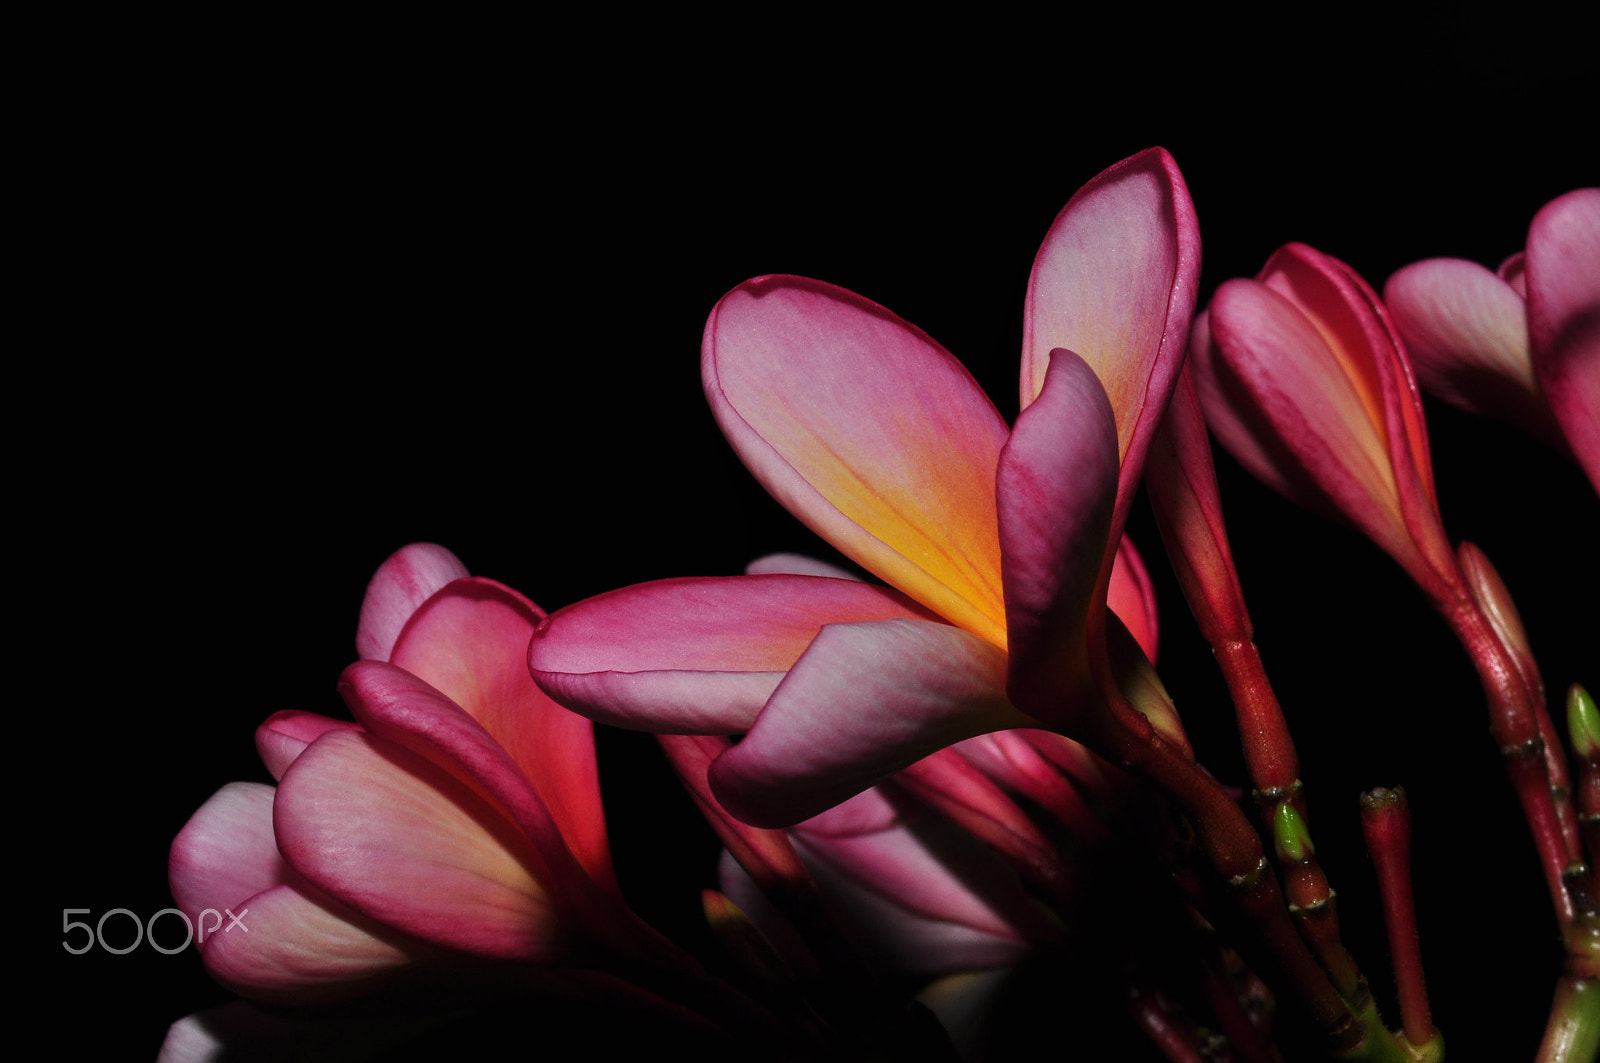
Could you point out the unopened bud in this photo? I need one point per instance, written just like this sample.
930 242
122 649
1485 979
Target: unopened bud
1583 723
1291 835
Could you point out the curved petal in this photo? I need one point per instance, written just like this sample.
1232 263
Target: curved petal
1358 331
470 642
864 701
409 577
1132 596
291 947
1057 485
1115 281
893 884
403 842
1467 333
1563 277
226 852
869 432
694 656
285 735
1282 383
795 565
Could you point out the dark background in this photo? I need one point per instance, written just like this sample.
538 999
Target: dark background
310 293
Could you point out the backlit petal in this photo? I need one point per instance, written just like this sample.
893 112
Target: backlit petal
1563 277
864 701
470 642
694 656
409 577
404 842
1467 333
1115 282
869 432
1057 486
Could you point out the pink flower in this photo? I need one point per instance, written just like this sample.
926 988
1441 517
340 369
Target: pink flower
1305 382
998 543
1522 345
458 824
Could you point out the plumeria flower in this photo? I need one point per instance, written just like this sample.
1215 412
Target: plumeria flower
455 828
1305 382
997 544
1521 344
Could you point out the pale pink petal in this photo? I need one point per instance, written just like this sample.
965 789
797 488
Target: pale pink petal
1132 597
470 642
286 734
694 656
1232 418
869 432
292 947
226 852
408 578
403 842
1563 277
1057 487
864 701
1466 331
1115 282
795 565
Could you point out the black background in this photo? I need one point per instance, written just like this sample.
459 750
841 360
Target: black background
309 293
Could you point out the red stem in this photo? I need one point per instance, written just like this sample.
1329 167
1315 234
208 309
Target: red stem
1386 822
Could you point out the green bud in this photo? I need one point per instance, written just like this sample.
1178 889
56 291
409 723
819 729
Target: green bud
1290 834
1583 723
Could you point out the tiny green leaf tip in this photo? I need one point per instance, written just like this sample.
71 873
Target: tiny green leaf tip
1583 722
1290 834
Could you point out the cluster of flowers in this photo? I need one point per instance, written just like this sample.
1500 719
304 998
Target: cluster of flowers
912 780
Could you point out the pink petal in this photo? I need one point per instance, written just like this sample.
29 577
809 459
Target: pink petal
1183 491
470 642
864 701
1233 419
869 432
240 1031
1359 332
1132 597
286 734
226 852
1466 331
1057 486
694 656
1115 282
1563 277
291 947
1278 379
409 577
403 842
896 887
795 565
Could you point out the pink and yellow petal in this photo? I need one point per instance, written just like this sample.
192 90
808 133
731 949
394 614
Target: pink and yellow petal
405 843
1115 281
470 642
869 432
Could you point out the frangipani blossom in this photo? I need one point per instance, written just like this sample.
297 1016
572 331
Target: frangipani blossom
1305 382
998 544
458 822
1522 344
